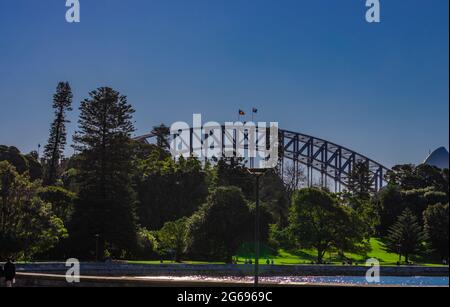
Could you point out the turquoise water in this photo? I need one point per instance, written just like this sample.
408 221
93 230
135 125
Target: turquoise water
351 280
331 280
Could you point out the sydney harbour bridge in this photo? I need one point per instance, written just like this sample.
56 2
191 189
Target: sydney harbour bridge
315 159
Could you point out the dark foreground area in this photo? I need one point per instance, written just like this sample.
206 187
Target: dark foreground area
53 280
213 275
214 270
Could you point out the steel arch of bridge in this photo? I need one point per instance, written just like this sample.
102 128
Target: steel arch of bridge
329 160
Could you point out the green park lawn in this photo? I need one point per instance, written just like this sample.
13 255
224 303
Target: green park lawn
308 256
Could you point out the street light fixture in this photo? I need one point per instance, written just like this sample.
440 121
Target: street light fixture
97 237
257 173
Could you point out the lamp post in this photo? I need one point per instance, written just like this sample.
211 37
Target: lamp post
97 236
258 173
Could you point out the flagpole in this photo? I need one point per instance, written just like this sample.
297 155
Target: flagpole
254 111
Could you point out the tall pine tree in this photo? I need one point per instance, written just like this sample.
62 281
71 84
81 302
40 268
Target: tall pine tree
406 237
104 216
162 133
359 183
62 103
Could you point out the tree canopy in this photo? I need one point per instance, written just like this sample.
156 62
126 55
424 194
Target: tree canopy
27 224
220 227
317 220
105 208
406 237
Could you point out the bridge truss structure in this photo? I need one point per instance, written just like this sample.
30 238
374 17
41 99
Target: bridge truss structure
332 162
319 162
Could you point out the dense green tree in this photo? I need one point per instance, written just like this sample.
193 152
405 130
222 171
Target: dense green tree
233 172
143 151
220 227
390 205
419 199
14 157
148 247
23 163
280 237
70 172
404 176
436 225
69 180
162 133
353 231
274 195
432 176
61 200
409 177
435 197
363 222
10 187
35 169
27 225
366 209
104 210
316 220
406 237
169 190
360 181
392 200
172 238
62 103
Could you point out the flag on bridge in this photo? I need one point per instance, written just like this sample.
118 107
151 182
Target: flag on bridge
241 113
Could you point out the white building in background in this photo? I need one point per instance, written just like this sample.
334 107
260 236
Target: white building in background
438 158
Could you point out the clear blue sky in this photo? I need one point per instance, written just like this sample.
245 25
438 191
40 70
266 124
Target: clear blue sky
315 66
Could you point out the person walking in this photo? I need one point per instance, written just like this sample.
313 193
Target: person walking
9 272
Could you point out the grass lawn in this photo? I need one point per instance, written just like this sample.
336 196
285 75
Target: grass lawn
378 252
307 256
